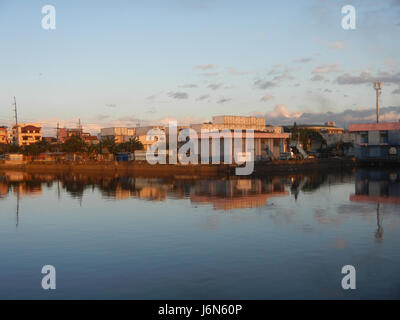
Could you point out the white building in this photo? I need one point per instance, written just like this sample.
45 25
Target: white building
25 134
120 134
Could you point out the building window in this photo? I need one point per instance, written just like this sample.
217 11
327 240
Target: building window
364 137
383 137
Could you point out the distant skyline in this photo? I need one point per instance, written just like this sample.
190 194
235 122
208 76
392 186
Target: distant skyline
121 63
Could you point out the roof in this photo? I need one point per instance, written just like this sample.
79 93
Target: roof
383 126
30 127
90 138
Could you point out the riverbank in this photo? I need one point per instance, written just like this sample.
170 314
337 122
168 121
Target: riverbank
143 168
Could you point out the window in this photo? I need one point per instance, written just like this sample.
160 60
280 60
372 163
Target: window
383 137
364 137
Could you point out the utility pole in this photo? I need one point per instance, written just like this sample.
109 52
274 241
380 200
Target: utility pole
16 121
80 127
15 111
58 131
378 89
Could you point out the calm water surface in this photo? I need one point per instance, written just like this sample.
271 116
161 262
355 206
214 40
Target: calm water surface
154 238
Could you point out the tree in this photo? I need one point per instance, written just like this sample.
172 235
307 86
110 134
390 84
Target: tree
129 146
74 144
295 133
109 144
36 148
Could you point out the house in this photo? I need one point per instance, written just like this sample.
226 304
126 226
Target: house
269 141
3 135
377 141
119 134
25 134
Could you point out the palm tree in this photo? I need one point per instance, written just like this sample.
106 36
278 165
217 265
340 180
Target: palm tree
109 143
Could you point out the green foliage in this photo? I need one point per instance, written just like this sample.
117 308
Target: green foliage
36 148
74 144
109 144
130 146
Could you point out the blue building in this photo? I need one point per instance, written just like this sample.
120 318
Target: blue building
377 141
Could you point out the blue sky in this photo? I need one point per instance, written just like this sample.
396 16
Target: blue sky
129 62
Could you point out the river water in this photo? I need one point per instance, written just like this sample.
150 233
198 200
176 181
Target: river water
121 237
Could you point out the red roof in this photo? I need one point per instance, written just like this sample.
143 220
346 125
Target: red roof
30 128
374 126
90 138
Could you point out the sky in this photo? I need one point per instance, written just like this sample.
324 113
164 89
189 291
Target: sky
128 63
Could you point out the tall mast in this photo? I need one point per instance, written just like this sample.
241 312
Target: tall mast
15 111
378 89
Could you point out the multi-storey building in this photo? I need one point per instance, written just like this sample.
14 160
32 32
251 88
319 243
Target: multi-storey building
269 141
64 134
119 134
3 135
25 134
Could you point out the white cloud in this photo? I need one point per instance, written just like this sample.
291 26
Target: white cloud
327 68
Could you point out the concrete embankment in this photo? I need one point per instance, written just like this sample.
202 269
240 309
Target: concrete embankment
143 168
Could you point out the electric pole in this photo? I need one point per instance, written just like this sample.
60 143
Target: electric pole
378 89
15 112
16 121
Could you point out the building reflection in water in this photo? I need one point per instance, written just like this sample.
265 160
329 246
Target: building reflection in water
237 194
379 187
222 194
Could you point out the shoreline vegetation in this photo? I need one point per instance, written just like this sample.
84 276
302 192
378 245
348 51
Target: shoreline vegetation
141 168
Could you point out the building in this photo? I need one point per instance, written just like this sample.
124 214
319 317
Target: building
65 133
92 140
25 134
3 135
377 141
119 134
328 128
269 141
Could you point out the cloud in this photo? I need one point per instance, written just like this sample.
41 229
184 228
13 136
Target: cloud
205 67
215 86
303 60
178 95
281 115
280 73
180 120
281 112
203 97
266 97
102 117
336 45
317 77
236 72
209 74
367 77
327 68
285 75
189 85
223 100
264 84
111 105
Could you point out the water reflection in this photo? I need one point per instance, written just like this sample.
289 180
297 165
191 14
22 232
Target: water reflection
379 187
226 193
181 237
